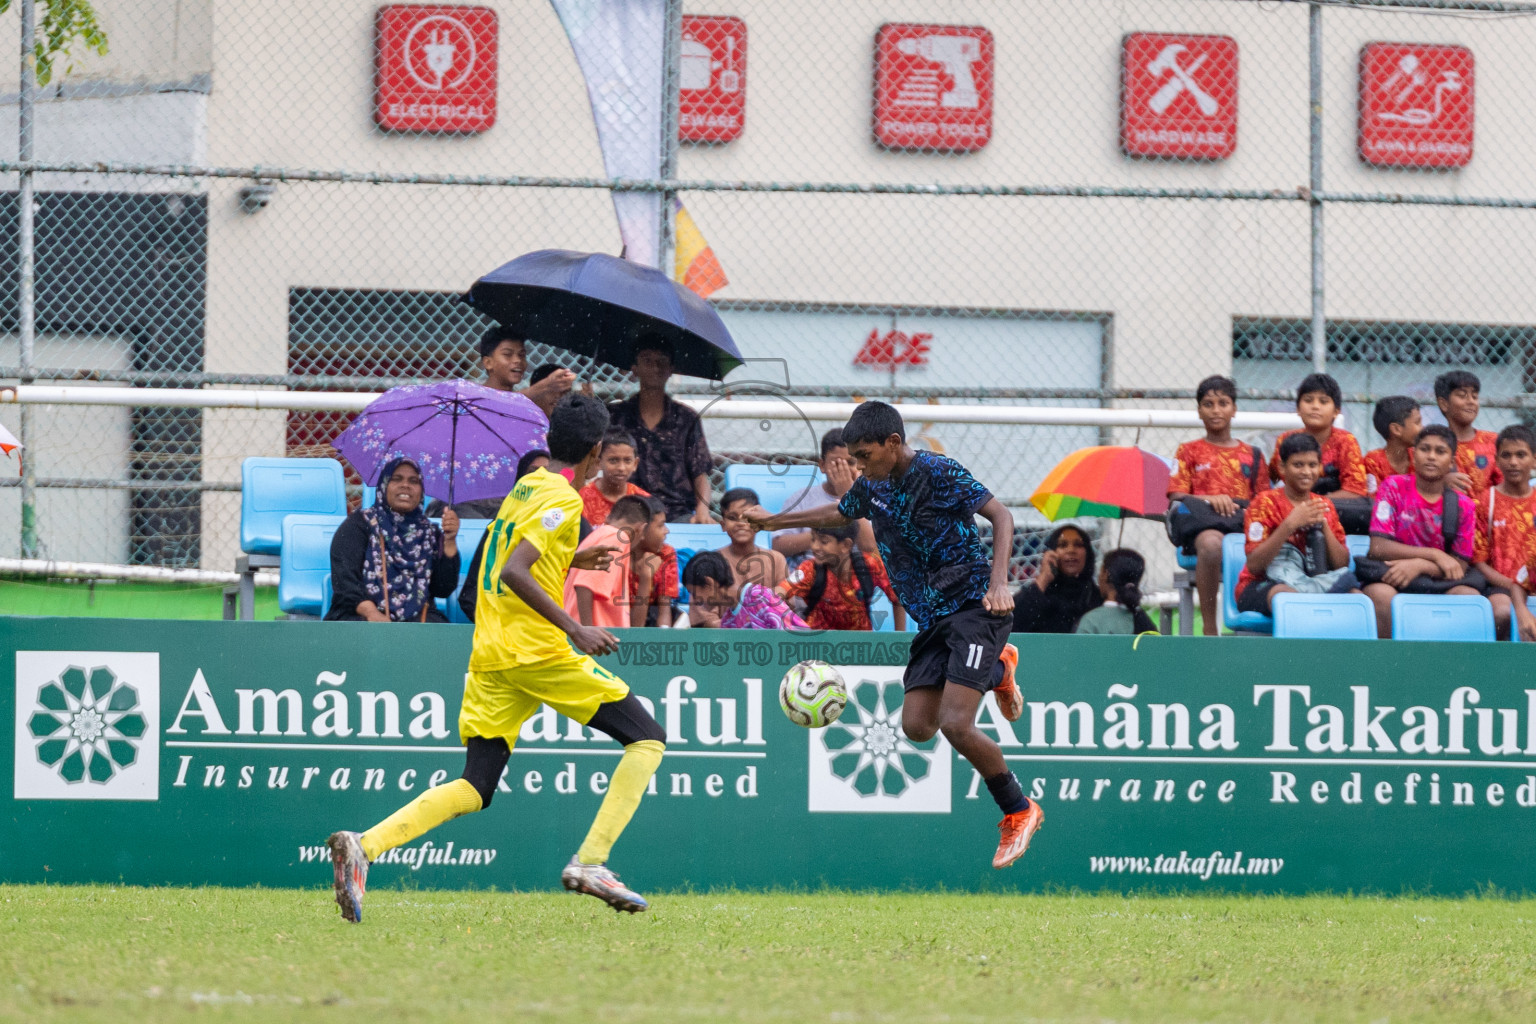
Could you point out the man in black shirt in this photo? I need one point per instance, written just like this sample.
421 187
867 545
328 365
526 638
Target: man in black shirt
669 438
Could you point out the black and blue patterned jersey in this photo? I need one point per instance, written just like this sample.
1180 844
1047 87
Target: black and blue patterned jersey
925 526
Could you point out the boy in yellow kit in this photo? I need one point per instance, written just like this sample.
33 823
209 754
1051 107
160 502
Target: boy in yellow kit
522 658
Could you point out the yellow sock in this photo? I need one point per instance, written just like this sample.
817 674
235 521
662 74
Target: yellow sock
624 792
422 815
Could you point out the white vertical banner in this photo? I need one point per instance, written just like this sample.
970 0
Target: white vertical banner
621 45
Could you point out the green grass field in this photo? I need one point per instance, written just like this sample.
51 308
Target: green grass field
127 954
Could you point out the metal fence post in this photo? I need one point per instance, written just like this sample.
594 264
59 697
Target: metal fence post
26 298
671 97
1315 98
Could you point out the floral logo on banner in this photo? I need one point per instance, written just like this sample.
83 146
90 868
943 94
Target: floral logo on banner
872 755
88 725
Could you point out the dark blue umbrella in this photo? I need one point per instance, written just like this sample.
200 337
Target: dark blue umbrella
600 306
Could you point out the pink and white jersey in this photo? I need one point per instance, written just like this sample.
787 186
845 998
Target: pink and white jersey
1402 514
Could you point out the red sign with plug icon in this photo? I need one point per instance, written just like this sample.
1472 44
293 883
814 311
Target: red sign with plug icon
1178 96
434 68
933 87
712 79
1416 105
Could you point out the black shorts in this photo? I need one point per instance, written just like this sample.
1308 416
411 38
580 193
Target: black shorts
1255 596
962 647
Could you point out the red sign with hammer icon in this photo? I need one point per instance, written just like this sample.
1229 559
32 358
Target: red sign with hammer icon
1178 96
1416 105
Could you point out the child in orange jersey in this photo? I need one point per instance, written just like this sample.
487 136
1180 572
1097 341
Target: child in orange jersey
1458 394
1397 420
1222 472
1506 540
1319 402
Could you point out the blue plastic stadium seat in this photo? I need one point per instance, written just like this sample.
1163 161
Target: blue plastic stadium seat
1458 617
470 532
1359 546
306 562
273 488
881 614
774 485
325 595
688 538
1184 561
1232 558
1324 616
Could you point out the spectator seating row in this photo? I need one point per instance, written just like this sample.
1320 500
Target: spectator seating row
1353 616
1233 557
271 489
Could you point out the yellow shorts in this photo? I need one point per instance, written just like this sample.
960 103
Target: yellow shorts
498 703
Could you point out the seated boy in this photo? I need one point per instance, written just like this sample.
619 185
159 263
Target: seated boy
1223 473
1506 540
1319 402
1279 527
1459 396
840 472
1398 421
716 599
601 597
1408 529
835 587
748 561
618 462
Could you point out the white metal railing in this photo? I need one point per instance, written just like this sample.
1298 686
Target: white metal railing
724 407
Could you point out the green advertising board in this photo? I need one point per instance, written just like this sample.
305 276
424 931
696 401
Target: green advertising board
225 752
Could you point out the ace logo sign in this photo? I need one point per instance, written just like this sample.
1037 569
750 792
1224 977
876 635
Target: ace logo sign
1178 96
87 725
864 763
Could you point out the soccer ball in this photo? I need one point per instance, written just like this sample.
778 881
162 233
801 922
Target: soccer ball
813 694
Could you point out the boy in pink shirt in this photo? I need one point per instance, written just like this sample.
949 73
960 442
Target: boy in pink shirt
1406 528
602 597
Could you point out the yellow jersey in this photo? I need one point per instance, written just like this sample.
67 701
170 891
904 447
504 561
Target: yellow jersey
544 510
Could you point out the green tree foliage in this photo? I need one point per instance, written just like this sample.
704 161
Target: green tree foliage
61 24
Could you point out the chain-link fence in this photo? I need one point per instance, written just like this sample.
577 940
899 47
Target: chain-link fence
1070 202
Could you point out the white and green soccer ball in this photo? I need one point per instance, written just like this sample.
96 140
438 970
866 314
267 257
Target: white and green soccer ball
813 694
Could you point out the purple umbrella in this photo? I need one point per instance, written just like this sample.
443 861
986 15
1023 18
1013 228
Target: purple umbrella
465 437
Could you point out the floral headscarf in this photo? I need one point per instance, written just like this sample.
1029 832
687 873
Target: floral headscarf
401 548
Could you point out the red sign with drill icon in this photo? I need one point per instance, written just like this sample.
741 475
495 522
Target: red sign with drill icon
1416 105
434 68
933 87
1178 96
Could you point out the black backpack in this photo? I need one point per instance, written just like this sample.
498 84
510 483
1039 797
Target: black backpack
1198 516
861 575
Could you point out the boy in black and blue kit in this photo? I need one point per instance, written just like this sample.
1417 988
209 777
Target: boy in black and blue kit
923 508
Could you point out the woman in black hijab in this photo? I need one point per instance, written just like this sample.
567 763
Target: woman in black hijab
1064 588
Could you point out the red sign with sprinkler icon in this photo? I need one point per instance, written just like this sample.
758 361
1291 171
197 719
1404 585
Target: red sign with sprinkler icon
434 68
712 79
1178 96
1416 105
933 87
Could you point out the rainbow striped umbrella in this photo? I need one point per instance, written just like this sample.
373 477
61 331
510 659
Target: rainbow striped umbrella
1106 481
